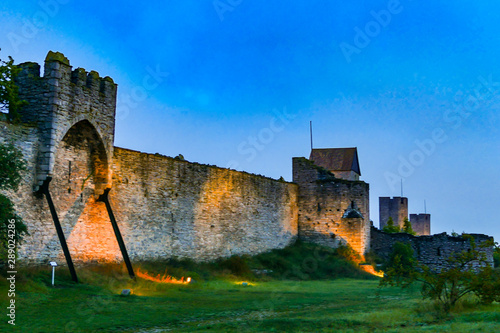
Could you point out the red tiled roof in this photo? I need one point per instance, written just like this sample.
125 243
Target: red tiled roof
336 159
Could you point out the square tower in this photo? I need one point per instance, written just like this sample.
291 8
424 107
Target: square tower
421 224
397 208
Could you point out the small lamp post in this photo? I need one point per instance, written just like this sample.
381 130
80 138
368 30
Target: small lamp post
54 265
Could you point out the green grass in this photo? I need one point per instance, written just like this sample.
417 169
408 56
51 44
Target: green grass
294 298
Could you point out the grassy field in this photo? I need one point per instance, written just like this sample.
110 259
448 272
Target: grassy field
217 301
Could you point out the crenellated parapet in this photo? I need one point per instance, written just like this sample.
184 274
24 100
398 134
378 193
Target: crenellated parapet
62 98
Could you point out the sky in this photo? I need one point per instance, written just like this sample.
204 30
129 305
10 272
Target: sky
414 85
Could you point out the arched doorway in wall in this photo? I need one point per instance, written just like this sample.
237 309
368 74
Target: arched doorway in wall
79 176
80 166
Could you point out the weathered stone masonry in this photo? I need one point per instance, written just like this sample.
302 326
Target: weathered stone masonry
61 99
169 207
432 251
165 207
323 203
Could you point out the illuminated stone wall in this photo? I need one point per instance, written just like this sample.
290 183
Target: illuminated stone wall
171 208
165 207
84 221
323 201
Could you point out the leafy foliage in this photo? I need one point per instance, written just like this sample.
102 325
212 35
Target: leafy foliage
9 91
10 175
486 285
11 160
465 272
306 261
407 227
348 253
390 227
299 261
8 213
496 255
401 265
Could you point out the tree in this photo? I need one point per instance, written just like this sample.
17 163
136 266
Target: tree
390 227
407 227
12 167
465 272
486 285
9 91
11 160
496 255
400 267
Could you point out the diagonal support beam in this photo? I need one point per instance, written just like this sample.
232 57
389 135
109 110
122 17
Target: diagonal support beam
45 190
104 198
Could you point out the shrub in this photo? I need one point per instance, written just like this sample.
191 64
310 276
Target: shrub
9 98
347 252
486 285
237 265
401 264
496 255
306 261
407 227
12 166
390 227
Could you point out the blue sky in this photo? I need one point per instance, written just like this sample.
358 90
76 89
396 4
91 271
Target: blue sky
238 81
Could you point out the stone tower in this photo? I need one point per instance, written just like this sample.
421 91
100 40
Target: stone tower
396 207
332 211
75 114
421 224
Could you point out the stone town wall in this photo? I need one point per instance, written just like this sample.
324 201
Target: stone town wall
172 208
432 251
323 200
165 207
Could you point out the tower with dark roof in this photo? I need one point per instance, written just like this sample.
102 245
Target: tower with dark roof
342 162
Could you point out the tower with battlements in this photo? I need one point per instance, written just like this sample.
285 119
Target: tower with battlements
396 207
74 112
421 224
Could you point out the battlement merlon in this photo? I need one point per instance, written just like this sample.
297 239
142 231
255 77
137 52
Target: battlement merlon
59 78
57 66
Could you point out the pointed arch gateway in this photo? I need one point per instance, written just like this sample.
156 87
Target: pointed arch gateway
81 164
80 177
